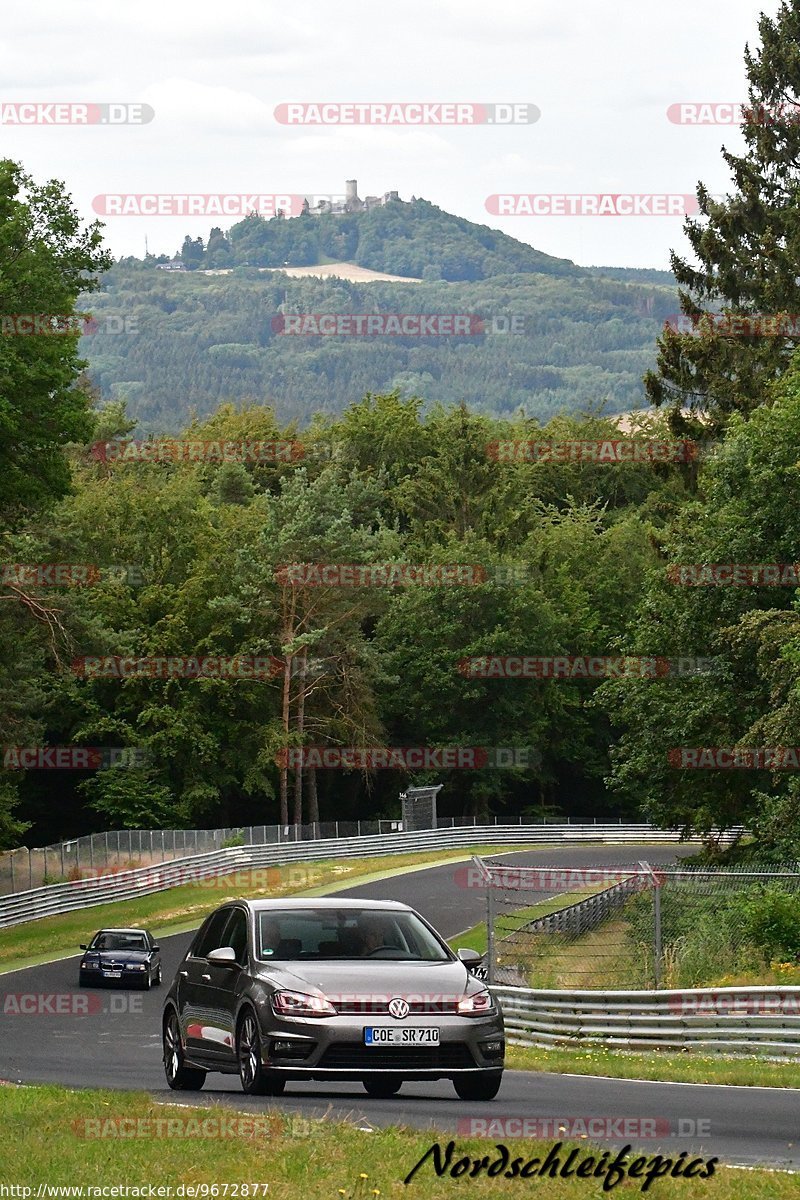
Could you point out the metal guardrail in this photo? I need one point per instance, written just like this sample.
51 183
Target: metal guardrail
139 881
579 918
746 1020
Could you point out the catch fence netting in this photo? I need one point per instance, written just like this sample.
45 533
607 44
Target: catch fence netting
640 925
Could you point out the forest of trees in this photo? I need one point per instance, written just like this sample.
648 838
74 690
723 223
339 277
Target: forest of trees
414 238
576 558
176 344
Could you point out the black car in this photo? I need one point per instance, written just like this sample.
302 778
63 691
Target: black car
128 957
329 989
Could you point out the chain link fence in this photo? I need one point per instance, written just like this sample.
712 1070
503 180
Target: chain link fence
639 925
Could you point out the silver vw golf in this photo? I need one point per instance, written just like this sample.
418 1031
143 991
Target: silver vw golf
276 990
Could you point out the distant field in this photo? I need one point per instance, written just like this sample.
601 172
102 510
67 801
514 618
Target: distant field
343 270
340 270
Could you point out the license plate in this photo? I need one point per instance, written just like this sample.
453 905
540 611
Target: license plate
113 974
391 1035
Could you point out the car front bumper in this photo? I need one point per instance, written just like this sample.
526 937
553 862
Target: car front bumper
334 1047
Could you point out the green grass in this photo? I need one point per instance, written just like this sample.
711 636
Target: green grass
475 938
315 1160
183 908
656 1065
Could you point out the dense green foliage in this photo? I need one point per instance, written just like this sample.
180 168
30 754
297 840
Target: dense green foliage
381 484
705 938
745 249
171 343
414 239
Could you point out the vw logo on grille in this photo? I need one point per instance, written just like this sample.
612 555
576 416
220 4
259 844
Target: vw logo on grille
398 1008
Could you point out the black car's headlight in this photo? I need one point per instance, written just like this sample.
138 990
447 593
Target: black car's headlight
136 967
477 1005
298 1004
90 965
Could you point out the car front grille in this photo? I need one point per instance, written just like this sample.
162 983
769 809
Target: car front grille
381 1007
347 1056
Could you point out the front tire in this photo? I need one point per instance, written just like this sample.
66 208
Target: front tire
180 1077
381 1087
256 1081
157 980
478 1087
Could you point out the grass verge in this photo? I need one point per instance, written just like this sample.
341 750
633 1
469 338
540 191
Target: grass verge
475 938
183 907
45 1143
657 1065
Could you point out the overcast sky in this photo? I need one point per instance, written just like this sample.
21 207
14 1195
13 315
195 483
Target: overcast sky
603 76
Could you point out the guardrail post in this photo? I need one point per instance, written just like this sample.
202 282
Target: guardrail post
11 860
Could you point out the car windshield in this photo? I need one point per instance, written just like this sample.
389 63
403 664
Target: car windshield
325 933
119 941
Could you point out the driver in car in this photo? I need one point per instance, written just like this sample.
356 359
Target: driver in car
374 933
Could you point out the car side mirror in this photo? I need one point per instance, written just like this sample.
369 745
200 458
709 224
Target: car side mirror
225 956
82 946
155 947
470 958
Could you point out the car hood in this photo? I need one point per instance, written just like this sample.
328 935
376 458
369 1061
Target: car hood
117 955
362 978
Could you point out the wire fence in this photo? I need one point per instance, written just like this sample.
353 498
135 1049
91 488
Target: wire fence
124 849
640 926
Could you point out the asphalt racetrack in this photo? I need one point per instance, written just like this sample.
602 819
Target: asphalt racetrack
117 1045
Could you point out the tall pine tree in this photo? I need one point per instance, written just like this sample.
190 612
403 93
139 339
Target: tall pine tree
747 250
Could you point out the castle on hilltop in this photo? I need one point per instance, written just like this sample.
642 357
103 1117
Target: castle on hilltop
350 203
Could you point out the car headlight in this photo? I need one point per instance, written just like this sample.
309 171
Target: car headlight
476 1005
298 1004
136 967
90 965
